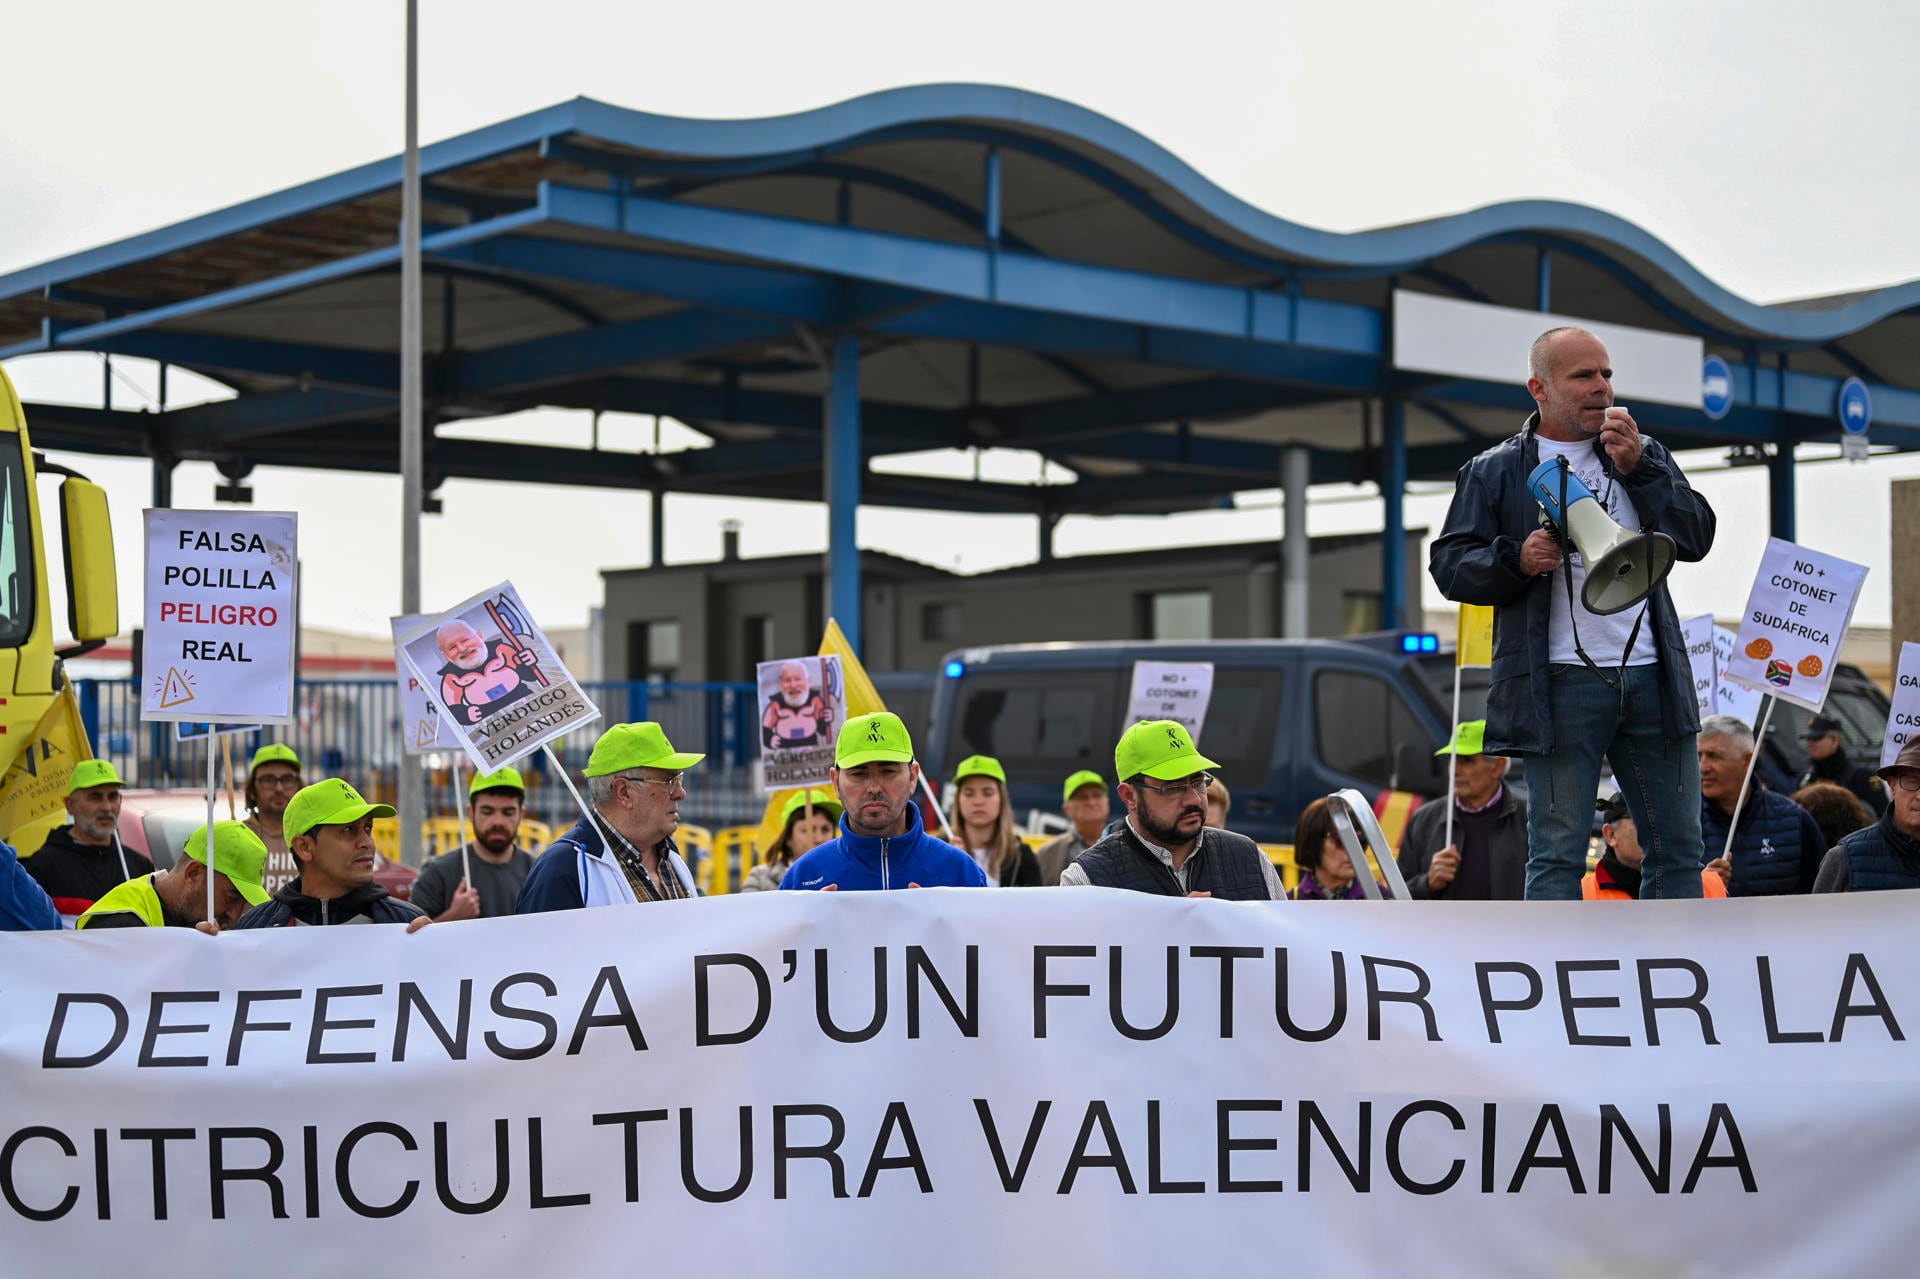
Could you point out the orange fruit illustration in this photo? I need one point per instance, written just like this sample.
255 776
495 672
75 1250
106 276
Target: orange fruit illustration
1811 666
1760 649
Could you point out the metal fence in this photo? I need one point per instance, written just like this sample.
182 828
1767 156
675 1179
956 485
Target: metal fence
351 729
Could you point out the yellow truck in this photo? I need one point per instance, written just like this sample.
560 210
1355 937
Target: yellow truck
31 678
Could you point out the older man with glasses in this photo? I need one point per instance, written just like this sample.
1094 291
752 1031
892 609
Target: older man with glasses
624 852
1165 846
1886 854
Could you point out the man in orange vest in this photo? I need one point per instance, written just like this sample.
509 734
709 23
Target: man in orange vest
1618 873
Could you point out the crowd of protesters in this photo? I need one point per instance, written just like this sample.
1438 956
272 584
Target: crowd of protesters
1846 829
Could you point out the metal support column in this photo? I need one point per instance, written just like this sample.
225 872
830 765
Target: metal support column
1393 495
844 467
162 481
657 529
1047 522
1296 468
1780 493
1543 282
412 798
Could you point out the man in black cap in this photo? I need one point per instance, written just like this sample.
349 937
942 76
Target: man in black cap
1887 853
1827 761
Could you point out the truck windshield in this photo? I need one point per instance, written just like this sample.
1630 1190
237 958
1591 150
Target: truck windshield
16 550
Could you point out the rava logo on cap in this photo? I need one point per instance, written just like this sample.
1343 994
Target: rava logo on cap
874 734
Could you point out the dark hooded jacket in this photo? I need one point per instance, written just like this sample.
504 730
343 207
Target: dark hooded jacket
367 904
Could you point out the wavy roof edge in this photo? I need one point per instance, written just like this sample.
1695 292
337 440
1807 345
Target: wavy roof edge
900 110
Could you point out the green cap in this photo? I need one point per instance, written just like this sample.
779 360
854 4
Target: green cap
822 803
979 766
642 745
237 853
505 779
1469 739
1160 748
327 803
1085 777
879 738
91 773
272 753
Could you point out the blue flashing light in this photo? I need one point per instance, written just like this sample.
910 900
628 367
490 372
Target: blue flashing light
1424 643
956 669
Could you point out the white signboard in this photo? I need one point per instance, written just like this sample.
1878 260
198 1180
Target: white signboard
1903 720
1172 690
220 619
422 729
496 679
1798 612
803 703
1478 340
1730 698
932 1083
185 732
1698 634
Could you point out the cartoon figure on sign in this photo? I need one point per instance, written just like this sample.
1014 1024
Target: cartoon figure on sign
798 714
481 677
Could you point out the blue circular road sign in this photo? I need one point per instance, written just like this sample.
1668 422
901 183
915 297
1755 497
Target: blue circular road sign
1716 387
1856 407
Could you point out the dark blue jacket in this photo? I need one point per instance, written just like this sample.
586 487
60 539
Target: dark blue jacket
1881 857
856 862
1776 849
290 906
1476 560
24 905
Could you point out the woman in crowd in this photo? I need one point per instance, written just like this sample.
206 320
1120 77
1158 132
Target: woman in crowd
1837 810
1326 870
982 822
798 834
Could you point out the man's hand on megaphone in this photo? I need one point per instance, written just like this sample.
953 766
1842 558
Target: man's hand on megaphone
1620 436
1540 553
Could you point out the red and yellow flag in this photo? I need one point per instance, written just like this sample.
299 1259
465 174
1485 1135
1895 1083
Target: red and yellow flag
33 794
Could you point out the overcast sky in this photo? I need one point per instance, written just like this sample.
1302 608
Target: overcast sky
1763 141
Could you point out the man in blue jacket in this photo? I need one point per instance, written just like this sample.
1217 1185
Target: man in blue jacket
881 842
1777 846
1571 686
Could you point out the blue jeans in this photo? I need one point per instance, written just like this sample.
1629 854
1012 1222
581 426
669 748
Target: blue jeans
1660 778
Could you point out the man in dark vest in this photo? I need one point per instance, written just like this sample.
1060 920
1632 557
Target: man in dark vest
1164 845
1886 854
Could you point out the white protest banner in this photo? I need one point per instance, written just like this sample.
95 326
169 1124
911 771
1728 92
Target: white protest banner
803 703
491 672
422 729
220 616
1697 633
1729 698
1171 690
958 1083
1801 604
1903 718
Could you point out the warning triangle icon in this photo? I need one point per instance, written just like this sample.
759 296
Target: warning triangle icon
176 692
427 732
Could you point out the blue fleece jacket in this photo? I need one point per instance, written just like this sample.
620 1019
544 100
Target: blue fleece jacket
24 905
854 863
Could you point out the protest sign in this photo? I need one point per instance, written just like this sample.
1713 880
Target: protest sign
803 703
1177 691
949 1082
220 616
1729 698
33 794
1697 633
1799 609
193 732
422 729
491 673
1903 717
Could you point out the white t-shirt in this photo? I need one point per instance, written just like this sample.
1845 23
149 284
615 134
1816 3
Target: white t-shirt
1604 638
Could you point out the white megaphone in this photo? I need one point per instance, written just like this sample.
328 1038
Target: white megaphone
1623 567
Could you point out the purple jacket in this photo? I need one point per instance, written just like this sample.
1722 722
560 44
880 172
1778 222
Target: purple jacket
1309 890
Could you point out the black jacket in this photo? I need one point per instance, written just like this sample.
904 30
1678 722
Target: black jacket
367 904
1427 834
1857 778
1476 560
77 875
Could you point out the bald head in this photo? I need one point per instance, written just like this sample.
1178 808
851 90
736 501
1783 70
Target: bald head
1540 354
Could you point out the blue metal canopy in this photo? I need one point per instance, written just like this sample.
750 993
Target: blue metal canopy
940 266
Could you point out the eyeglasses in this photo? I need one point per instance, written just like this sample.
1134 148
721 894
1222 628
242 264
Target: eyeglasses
670 781
280 781
1195 785
1908 782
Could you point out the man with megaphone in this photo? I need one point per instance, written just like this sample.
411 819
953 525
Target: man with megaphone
1568 530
